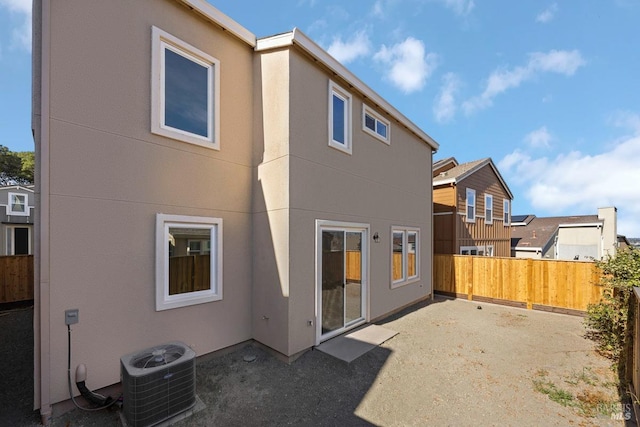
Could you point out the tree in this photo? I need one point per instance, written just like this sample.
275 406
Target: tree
611 321
16 167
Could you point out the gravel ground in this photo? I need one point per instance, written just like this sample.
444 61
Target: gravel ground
450 364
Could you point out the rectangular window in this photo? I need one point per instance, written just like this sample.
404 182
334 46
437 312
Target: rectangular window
405 256
471 205
375 125
488 209
339 118
18 204
506 206
184 92
469 250
188 260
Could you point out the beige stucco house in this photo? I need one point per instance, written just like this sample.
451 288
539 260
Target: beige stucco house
570 238
170 140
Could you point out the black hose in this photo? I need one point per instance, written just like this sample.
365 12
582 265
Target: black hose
104 402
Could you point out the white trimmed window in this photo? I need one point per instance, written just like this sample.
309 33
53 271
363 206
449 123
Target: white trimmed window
471 205
375 125
339 118
188 260
488 209
506 206
405 253
18 204
185 92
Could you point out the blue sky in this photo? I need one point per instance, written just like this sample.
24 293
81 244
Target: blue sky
549 90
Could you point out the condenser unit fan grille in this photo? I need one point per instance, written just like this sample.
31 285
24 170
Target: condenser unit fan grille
158 383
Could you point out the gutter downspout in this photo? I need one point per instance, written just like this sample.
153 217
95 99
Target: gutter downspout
42 359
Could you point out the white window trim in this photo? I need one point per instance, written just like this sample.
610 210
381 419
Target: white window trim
162 40
405 280
466 211
10 210
489 250
334 89
488 207
378 118
164 301
506 214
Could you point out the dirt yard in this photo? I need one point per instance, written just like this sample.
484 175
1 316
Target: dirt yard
451 363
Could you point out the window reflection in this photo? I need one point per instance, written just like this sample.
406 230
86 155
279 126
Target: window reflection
189 260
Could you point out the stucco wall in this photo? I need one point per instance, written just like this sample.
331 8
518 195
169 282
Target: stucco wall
110 176
379 184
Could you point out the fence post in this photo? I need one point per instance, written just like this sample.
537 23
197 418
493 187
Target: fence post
529 284
469 262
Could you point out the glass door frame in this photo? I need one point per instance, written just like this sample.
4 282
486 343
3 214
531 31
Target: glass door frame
346 227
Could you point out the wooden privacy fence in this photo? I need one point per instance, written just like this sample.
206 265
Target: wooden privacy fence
563 286
16 278
189 274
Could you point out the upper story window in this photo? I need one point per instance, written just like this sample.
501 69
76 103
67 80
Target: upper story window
471 205
188 260
405 255
375 125
18 204
488 209
506 206
185 93
339 118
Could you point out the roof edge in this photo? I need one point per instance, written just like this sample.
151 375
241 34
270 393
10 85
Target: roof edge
482 164
303 41
214 15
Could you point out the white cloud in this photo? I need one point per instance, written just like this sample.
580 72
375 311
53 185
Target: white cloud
539 138
460 7
555 61
444 107
627 120
21 32
409 66
548 14
579 183
347 51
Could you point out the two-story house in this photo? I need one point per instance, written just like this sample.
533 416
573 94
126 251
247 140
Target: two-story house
16 220
168 135
471 209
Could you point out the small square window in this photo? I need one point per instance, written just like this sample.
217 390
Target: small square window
185 92
188 260
339 118
18 204
375 125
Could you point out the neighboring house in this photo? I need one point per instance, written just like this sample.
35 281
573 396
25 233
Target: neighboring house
173 140
582 237
16 220
471 208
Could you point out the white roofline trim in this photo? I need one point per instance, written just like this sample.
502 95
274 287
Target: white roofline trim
211 13
17 188
444 182
584 224
300 39
442 213
495 169
526 249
